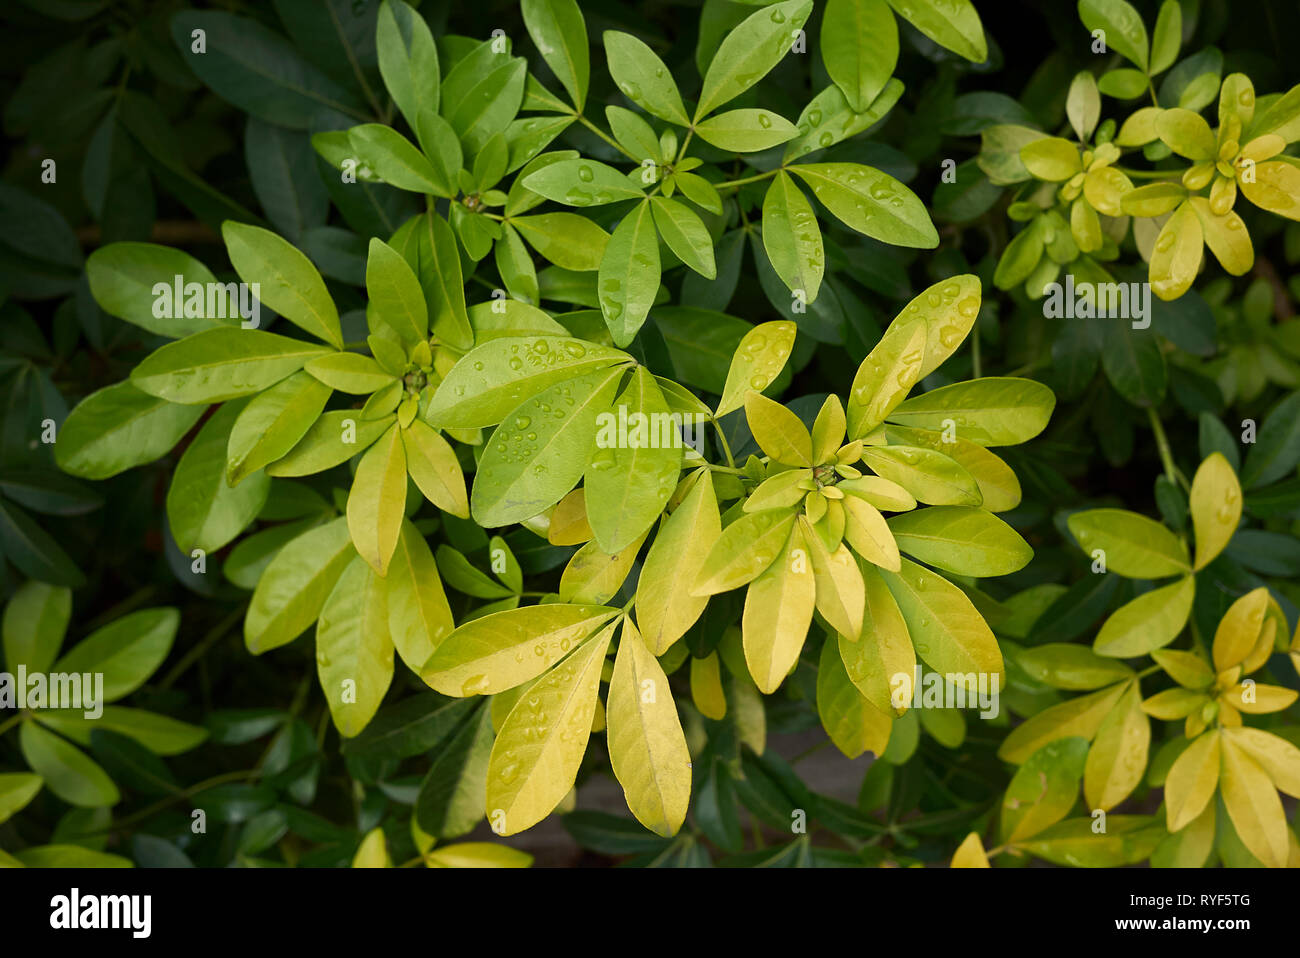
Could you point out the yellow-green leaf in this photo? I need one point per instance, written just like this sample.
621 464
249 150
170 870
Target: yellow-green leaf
354 652
778 610
665 605
1149 622
377 501
758 360
1215 503
1118 757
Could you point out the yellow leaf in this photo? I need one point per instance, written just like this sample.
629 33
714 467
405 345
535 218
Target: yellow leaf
477 855
1215 503
828 430
1239 629
1177 253
778 611
947 631
706 686
501 650
1174 704
996 481
1191 780
747 710
593 576
1256 699
853 723
1254 806
1149 622
419 617
1118 757
1275 187
535 759
744 550
1190 846
970 853
377 501
778 431
758 360
890 370
647 748
840 596
881 661
354 652
569 525
1226 236
665 606
372 852
1082 716
433 465
869 534
1278 757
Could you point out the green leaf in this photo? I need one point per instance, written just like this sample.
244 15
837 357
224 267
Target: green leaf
1118 758
685 234
1083 105
568 240
1123 27
1134 364
67 771
492 379
16 790
665 605
377 500
1134 546
1075 667
124 278
635 135
429 247
396 300
792 237
395 159
994 411
408 60
859 44
647 747
947 631
1043 790
1149 622
283 279
33 550
432 463
560 33
929 476
257 70
354 654
746 131
272 423
35 621
629 274
871 202
418 615
961 539
294 587
490 97
642 77
441 148
744 550
1275 454
203 510
952 24
350 373
837 120
853 723
509 485
499 651
631 477
1168 37
536 756
750 51
119 427
220 364
1051 158
778 431
582 183
127 651
1081 716
335 437
451 797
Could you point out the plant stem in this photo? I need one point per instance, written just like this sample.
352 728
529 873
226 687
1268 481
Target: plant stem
1166 455
726 447
730 184
6 726
606 137
214 635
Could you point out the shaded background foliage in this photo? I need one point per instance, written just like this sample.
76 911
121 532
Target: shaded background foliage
145 151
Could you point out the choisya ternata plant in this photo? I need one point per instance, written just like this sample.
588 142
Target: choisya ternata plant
1103 739
804 533
1082 195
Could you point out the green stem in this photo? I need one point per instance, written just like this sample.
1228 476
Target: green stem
6 726
726 447
607 138
731 184
975 352
681 152
1166 454
214 635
